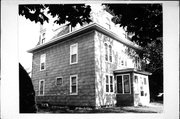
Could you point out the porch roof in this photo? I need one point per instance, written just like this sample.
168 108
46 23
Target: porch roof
128 70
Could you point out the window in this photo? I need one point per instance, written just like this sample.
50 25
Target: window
108 49
110 53
73 84
43 38
137 62
74 53
136 88
123 84
106 52
43 62
126 84
109 84
119 84
59 81
145 81
125 62
41 87
122 62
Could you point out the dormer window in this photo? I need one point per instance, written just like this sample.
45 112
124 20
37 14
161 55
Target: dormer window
43 38
108 23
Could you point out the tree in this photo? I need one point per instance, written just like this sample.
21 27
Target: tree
73 13
27 93
143 22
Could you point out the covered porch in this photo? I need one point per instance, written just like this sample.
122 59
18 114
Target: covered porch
132 87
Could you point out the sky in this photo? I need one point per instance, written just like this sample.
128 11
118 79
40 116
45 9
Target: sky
28 36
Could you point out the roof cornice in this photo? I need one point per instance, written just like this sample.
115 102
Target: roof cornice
90 27
132 70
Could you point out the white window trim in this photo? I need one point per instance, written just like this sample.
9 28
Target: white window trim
56 81
109 84
42 62
76 55
76 85
123 83
43 87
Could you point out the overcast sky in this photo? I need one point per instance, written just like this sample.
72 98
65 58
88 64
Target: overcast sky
28 38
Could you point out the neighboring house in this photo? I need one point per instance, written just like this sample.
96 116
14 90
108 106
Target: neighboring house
89 66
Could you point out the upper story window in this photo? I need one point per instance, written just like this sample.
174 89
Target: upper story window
41 87
137 62
74 54
145 81
122 62
73 84
110 53
43 62
106 51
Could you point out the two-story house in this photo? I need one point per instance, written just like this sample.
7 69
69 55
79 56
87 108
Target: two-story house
89 66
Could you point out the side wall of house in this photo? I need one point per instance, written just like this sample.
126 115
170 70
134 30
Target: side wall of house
141 90
122 57
58 65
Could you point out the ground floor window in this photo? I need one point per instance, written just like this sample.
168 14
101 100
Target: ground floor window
73 84
109 84
41 87
123 84
59 81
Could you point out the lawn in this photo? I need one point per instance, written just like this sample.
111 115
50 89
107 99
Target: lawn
152 108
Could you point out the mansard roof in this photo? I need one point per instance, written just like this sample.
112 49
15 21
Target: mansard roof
90 27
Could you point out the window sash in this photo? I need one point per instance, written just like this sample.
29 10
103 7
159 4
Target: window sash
120 85
126 84
41 87
145 81
110 53
73 84
109 84
123 84
73 53
59 81
42 62
106 51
